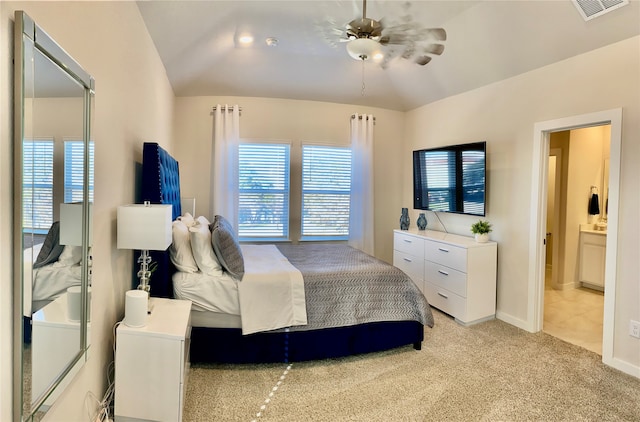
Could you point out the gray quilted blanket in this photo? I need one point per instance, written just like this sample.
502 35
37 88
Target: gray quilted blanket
344 286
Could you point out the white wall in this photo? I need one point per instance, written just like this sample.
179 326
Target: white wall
504 115
133 104
294 121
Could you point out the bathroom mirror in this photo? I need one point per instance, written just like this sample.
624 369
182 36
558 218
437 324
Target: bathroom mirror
53 193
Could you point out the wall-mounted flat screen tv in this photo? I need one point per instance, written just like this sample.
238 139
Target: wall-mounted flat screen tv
450 179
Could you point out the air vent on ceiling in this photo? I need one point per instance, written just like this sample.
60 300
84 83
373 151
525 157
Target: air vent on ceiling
590 9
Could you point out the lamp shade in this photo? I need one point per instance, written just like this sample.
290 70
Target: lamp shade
144 227
71 224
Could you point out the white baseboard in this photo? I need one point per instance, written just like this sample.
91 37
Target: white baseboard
510 319
623 366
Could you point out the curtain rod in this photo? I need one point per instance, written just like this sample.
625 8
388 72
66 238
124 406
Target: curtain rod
226 108
353 116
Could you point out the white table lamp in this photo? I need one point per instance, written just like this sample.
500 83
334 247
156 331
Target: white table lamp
71 224
144 227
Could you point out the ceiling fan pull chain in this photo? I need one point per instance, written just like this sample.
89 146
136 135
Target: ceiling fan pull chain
363 86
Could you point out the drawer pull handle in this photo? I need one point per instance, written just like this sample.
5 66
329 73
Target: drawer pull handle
443 249
443 272
443 295
408 241
407 259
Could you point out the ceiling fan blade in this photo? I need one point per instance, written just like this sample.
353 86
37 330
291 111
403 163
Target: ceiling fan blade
422 60
437 34
408 52
395 38
436 49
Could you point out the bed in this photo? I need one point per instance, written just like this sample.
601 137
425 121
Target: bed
343 313
49 270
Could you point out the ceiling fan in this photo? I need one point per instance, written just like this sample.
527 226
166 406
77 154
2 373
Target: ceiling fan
368 38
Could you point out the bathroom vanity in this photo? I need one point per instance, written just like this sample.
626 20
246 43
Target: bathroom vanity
592 257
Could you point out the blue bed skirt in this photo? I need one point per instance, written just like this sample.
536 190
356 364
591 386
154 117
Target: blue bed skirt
226 345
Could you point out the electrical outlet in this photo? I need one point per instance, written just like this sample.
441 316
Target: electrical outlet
634 329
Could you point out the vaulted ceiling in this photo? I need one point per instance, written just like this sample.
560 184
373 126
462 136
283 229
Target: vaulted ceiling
487 41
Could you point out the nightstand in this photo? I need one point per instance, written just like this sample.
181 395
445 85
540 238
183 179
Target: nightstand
152 364
55 342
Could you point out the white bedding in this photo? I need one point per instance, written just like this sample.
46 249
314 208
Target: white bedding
51 281
46 283
270 295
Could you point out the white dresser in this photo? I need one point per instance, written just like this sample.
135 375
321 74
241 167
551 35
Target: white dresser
456 274
152 363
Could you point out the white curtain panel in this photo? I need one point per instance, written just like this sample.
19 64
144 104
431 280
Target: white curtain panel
224 174
361 212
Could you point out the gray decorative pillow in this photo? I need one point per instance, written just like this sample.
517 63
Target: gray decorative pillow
51 248
226 246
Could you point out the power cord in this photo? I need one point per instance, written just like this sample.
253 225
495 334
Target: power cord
440 221
106 406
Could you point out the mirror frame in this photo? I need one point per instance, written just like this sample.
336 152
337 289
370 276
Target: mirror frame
25 26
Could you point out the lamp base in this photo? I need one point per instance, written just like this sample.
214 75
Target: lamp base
144 275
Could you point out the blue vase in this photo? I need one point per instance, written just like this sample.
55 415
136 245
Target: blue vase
404 219
422 221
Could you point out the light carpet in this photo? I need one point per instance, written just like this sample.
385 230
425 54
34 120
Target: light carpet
487 372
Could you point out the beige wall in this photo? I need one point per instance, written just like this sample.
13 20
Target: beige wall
504 115
133 103
293 121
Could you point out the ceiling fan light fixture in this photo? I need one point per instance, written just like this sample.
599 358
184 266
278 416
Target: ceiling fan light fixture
363 48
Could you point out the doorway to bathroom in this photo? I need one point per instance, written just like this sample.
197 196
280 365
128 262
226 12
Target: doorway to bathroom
537 238
577 186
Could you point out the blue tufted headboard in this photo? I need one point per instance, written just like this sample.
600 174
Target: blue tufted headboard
160 185
160 177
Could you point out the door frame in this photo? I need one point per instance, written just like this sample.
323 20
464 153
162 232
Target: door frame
555 245
541 135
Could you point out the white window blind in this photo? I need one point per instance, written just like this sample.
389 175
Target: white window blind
440 168
263 191
73 171
473 168
326 190
37 179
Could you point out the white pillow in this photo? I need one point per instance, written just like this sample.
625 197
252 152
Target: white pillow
202 220
180 250
203 250
71 255
187 219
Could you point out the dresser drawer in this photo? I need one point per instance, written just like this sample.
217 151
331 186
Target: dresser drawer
445 277
451 256
445 300
408 244
411 265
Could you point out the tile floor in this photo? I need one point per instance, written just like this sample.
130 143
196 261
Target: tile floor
575 316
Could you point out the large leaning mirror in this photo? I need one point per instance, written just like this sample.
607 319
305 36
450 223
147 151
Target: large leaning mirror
53 193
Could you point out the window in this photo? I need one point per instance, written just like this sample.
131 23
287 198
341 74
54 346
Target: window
263 191
326 190
37 179
73 171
